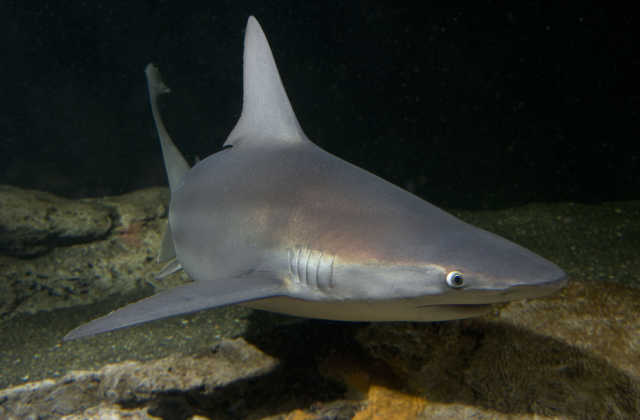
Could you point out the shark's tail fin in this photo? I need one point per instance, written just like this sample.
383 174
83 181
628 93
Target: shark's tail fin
174 162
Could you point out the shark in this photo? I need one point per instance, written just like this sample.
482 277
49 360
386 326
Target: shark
275 223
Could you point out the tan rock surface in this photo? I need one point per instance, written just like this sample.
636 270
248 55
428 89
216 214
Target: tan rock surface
32 222
572 355
88 394
80 251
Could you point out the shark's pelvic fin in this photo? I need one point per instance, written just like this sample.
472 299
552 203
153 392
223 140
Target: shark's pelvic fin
167 250
267 116
173 267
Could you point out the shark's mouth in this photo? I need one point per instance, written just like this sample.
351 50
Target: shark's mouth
452 311
461 306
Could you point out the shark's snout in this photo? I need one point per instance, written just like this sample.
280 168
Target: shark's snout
525 291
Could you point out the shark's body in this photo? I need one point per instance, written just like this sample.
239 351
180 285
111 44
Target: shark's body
276 223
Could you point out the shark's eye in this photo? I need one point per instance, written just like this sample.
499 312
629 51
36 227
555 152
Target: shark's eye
455 279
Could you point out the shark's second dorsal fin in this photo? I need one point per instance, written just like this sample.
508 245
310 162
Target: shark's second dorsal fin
267 116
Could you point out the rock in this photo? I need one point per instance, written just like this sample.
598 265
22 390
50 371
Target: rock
78 264
33 222
228 361
112 412
95 394
572 355
50 399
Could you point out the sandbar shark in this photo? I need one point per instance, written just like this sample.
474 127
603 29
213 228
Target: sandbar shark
274 222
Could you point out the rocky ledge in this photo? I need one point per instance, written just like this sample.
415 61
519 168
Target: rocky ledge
58 253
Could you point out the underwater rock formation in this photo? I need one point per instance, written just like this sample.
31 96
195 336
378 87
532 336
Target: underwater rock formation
57 253
33 222
572 355
104 392
112 412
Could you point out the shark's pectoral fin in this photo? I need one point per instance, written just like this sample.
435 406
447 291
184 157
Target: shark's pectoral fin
185 299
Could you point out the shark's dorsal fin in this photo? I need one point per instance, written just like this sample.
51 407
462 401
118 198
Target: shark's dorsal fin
267 116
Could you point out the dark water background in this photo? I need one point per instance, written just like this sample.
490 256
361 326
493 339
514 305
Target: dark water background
474 105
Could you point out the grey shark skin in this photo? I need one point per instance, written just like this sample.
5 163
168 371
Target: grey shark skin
276 223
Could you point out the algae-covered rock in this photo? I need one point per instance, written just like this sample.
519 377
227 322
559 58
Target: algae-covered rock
112 412
224 364
572 355
92 394
79 251
33 222
569 356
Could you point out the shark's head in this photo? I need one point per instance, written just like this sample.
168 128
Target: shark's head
457 272
424 266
